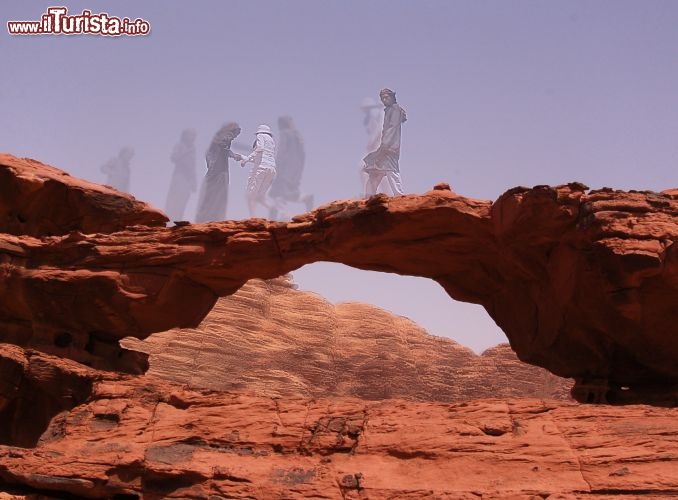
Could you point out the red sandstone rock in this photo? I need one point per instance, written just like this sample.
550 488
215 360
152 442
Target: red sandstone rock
583 284
141 436
273 340
39 200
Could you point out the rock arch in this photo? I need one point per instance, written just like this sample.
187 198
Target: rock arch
582 282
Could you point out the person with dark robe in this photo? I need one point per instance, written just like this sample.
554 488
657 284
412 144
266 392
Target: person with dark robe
289 160
117 169
184 179
384 162
214 191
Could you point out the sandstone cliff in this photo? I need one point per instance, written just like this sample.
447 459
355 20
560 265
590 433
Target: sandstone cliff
128 437
582 282
274 340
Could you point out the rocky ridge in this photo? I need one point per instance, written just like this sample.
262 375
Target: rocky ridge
582 282
128 437
276 341
72 431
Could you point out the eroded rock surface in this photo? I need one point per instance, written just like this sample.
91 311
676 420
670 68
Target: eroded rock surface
39 200
582 282
141 437
273 340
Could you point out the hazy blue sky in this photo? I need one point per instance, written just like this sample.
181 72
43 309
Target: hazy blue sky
498 94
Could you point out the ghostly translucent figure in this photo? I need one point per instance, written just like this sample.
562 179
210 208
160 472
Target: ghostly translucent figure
289 163
184 178
384 162
263 171
373 120
214 191
118 171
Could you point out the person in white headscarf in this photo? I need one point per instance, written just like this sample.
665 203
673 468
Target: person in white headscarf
184 179
384 161
263 170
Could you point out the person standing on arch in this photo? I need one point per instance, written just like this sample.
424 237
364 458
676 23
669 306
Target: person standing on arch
184 179
214 192
117 169
373 120
384 162
290 157
263 171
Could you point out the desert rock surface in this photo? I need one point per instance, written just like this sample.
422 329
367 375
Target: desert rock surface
142 437
582 282
274 340
324 401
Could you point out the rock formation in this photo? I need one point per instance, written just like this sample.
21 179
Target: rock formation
582 282
276 341
39 200
124 437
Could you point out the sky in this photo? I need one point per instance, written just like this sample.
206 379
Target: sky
498 93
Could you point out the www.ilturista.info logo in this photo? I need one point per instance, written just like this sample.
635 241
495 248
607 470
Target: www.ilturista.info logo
56 21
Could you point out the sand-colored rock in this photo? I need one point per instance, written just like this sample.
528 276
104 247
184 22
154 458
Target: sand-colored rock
582 282
141 437
274 340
